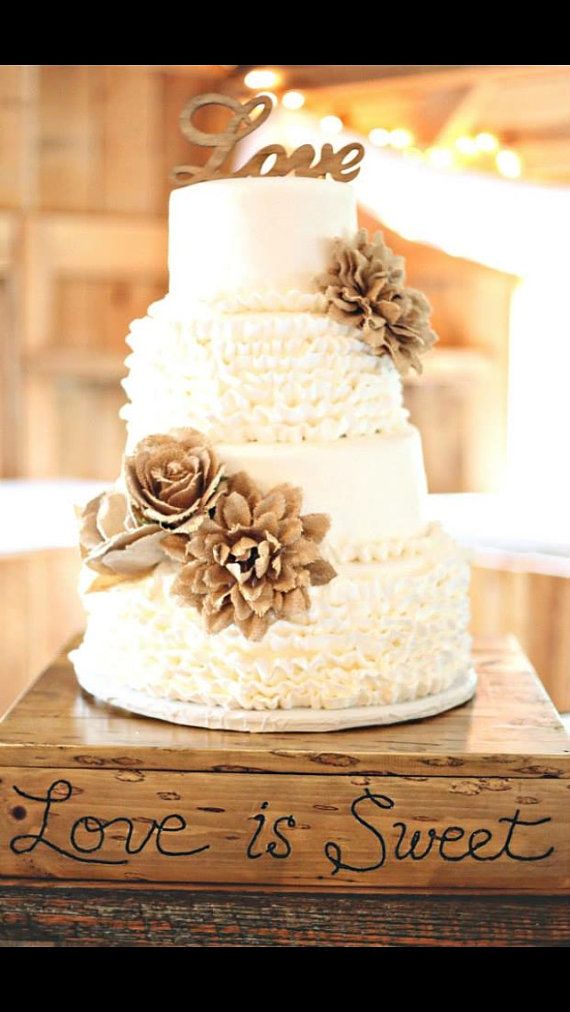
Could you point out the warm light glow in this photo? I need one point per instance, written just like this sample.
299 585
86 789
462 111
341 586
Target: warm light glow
256 79
293 100
331 125
416 154
508 163
401 138
379 137
538 406
486 142
466 145
440 158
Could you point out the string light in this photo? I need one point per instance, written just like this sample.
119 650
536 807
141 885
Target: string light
331 125
401 138
256 79
379 137
466 145
440 158
293 100
508 163
486 142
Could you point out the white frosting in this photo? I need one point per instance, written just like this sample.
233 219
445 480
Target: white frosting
283 376
381 633
252 234
372 488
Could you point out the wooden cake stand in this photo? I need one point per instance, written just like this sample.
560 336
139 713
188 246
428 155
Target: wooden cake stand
122 830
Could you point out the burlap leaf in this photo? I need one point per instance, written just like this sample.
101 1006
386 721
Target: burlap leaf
111 544
365 287
253 561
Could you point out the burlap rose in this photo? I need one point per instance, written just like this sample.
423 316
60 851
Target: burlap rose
173 480
109 542
253 562
365 287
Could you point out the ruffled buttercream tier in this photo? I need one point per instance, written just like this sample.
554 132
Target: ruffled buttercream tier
381 632
271 368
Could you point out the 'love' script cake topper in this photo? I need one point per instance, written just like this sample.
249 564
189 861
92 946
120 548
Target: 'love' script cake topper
271 160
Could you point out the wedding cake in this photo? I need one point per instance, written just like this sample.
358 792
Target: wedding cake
265 559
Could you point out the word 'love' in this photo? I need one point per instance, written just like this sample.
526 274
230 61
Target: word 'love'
271 160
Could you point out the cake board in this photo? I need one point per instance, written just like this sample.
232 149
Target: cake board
271 721
475 799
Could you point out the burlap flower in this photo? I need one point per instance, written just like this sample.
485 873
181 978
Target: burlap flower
253 561
365 287
173 480
111 544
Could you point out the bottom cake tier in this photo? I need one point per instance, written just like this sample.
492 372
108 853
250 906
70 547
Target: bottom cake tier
383 632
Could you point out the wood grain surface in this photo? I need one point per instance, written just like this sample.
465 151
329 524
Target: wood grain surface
422 833
113 917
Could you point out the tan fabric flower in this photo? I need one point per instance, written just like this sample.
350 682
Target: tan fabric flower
111 544
253 562
365 287
173 479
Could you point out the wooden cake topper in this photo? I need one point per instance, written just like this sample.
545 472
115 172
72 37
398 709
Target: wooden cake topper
340 165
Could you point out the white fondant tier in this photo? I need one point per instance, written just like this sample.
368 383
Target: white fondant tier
374 489
285 374
383 633
232 234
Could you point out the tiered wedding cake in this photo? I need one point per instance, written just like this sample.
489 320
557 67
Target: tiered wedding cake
266 547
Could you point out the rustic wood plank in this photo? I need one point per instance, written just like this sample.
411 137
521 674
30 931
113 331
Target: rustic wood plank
132 140
19 89
10 351
510 727
413 832
112 917
69 153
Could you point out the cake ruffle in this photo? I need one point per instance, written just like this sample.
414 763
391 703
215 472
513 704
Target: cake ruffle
270 376
379 633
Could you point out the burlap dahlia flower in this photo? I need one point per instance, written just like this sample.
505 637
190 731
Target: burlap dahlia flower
252 563
365 286
173 479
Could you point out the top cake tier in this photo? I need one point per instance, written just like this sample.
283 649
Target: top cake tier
260 235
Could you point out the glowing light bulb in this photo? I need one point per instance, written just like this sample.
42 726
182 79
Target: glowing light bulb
379 137
256 79
440 158
508 163
293 100
466 145
486 142
331 125
401 138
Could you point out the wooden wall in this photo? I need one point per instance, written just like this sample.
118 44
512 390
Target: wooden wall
85 155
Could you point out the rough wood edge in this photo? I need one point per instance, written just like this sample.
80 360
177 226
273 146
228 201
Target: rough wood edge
115 917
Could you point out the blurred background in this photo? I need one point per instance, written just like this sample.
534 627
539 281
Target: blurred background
468 174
